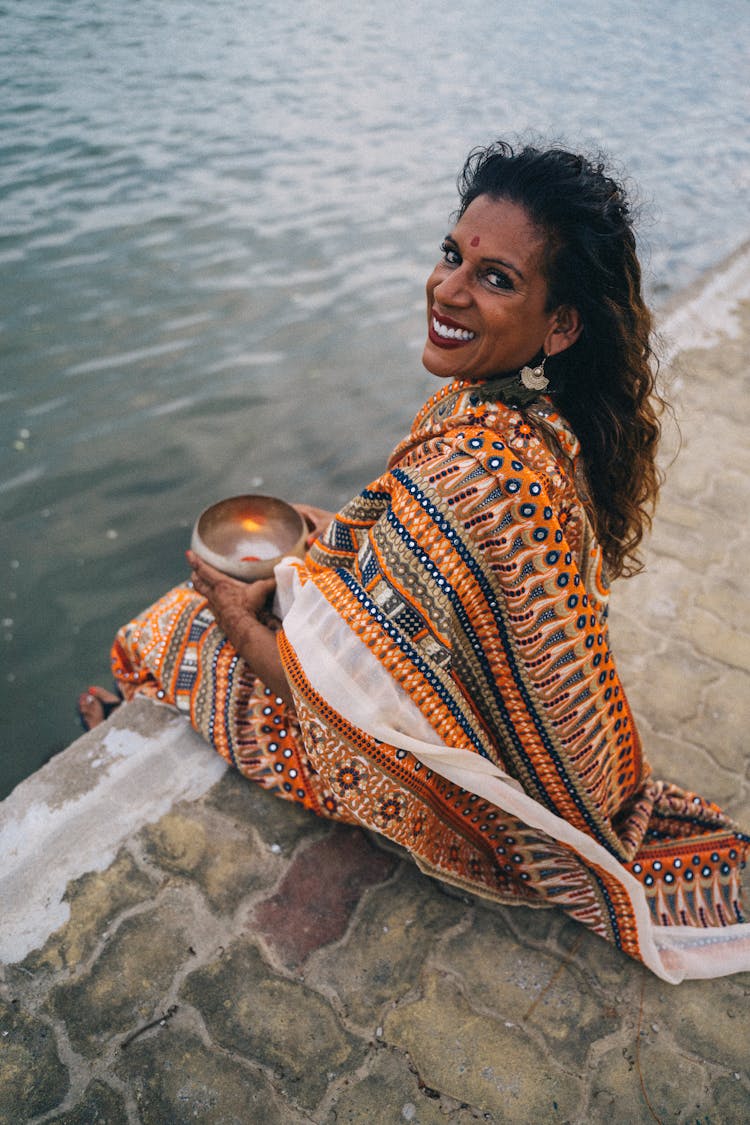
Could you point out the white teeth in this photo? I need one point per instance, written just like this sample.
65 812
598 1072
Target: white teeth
451 333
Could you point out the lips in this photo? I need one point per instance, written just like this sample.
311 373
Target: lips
448 333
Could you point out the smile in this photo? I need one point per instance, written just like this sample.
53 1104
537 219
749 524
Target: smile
446 332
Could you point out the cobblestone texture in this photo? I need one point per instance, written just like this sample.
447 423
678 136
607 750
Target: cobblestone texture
100 1105
317 897
240 961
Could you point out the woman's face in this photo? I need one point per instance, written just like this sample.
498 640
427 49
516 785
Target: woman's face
487 296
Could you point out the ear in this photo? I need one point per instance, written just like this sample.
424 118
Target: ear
564 330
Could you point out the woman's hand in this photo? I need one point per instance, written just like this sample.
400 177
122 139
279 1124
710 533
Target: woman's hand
242 614
317 520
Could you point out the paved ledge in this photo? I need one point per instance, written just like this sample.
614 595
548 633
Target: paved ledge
178 946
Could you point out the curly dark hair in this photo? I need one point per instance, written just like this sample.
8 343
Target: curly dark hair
604 383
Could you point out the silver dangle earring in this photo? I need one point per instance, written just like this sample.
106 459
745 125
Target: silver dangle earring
533 378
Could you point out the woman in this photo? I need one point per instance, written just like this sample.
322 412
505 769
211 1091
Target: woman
443 672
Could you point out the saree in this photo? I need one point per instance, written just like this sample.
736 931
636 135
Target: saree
454 689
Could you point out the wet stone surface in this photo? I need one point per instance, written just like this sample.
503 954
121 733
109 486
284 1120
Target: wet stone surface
714 1024
528 988
278 824
33 1080
315 900
386 947
100 1105
488 1063
127 983
175 1078
278 1023
95 899
208 850
390 1091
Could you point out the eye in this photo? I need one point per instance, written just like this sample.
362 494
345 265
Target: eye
498 280
451 256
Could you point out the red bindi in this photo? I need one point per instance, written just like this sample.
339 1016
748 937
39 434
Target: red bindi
475 240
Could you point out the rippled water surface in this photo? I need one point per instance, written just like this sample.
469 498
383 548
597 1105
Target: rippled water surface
215 223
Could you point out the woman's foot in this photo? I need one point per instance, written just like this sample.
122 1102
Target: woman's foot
94 705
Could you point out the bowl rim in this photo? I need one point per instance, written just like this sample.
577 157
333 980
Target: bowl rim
247 571
254 496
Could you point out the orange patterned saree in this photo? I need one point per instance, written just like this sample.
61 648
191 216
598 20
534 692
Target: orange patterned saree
447 646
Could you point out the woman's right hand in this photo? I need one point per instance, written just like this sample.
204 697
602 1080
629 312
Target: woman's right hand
317 520
241 612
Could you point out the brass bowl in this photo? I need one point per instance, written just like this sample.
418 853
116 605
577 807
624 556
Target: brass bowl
245 536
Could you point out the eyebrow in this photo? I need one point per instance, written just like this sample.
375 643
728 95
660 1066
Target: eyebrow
491 261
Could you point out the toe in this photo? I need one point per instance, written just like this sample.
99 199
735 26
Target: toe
103 695
90 709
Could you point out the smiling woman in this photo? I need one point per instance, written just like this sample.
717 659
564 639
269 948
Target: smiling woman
488 296
438 667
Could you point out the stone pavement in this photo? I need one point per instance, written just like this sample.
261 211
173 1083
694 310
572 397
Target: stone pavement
222 957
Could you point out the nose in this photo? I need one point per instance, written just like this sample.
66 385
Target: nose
453 289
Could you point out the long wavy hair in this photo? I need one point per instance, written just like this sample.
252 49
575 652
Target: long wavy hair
604 384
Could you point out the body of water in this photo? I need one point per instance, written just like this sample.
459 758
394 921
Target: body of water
216 220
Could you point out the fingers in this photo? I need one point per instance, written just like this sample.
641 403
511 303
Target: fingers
203 580
209 581
206 573
314 517
307 515
205 577
258 593
317 520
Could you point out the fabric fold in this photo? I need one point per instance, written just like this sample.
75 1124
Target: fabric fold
342 670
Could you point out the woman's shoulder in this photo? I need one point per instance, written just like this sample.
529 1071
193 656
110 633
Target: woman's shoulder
458 421
496 468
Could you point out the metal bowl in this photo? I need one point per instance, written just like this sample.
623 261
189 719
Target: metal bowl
245 536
